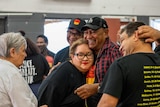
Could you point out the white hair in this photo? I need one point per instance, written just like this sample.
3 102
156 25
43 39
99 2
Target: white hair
3 47
11 40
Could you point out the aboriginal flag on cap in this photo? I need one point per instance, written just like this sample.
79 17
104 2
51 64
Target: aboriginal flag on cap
77 24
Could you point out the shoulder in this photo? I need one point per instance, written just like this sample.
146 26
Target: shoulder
8 67
125 58
65 65
136 58
111 49
66 49
66 68
113 45
62 71
109 45
51 53
37 57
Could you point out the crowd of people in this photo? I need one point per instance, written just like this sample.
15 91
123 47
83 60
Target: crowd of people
126 74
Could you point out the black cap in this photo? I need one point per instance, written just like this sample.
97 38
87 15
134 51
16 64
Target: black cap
95 23
77 24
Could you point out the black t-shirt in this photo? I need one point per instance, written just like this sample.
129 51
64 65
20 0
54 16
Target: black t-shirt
134 80
62 55
34 68
57 90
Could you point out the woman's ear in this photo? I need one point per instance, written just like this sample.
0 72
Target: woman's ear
12 52
71 56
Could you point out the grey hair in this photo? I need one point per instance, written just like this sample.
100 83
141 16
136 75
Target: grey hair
11 40
3 47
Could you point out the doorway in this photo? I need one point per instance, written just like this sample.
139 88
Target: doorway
155 23
56 31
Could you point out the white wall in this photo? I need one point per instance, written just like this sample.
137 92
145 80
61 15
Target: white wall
102 7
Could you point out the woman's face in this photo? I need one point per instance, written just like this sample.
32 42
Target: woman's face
83 58
17 57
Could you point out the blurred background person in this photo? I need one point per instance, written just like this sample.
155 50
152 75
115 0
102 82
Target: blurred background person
35 67
57 90
14 90
42 42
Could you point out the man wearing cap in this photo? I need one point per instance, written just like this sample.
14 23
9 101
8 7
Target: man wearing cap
73 33
96 32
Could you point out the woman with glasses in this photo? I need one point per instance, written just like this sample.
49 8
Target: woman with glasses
57 90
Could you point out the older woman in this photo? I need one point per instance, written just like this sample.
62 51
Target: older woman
14 91
58 88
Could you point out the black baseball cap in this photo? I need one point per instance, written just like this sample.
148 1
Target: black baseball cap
95 23
77 24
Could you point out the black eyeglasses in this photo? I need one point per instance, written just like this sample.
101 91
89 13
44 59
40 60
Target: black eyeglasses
81 56
74 34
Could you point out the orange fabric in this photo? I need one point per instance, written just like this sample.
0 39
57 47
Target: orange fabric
50 61
90 76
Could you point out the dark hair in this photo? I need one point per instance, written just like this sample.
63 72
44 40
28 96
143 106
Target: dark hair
131 27
44 37
22 32
32 48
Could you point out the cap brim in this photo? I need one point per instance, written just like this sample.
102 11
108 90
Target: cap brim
94 27
79 30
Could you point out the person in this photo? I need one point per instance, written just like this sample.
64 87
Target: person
133 80
73 33
42 42
96 33
148 33
14 90
57 90
35 67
